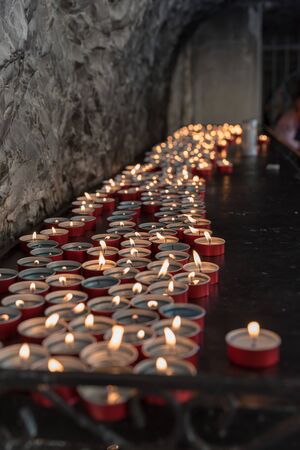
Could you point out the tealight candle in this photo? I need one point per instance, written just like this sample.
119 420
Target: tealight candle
210 246
95 325
167 366
135 252
108 204
97 286
35 274
134 334
135 262
64 281
110 353
253 347
198 283
29 287
32 261
60 235
109 253
167 266
54 221
208 268
191 234
147 226
179 326
188 311
65 296
95 267
76 251
135 316
124 274
26 238
21 356
148 277
176 255
64 266
55 254
161 239
67 311
171 345
178 246
67 343
37 328
142 235
89 221
7 278
133 242
107 403
30 305
127 290
119 230
150 207
40 244
224 166
122 224
178 291
151 301
84 210
9 319
75 228
198 222
107 305
58 364
112 240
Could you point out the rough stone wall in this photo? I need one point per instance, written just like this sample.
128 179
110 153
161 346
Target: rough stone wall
83 88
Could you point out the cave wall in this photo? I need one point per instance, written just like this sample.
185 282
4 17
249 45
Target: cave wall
218 74
83 90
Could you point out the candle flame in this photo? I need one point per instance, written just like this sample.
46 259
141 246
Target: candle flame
68 297
103 244
4 317
207 237
176 323
126 270
24 352
34 235
253 329
19 303
69 339
53 230
113 395
161 364
71 223
193 230
152 304
87 196
62 280
36 261
170 337
137 234
164 268
32 287
89 321
132 244
78 309
160 237
197 260
121 224
129 261
82 208
54 365
191 219
137 288
116 300
134 252
52 321
141 334
171 286
191 276
101 260
116 339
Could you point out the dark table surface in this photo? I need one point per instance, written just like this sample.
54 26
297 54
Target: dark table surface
257 212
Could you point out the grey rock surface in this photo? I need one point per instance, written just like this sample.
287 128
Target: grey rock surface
83 90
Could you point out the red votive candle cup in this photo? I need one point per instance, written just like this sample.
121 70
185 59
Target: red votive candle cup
76 251
9 320
98 286
214 247
7 278
29 305
187 311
